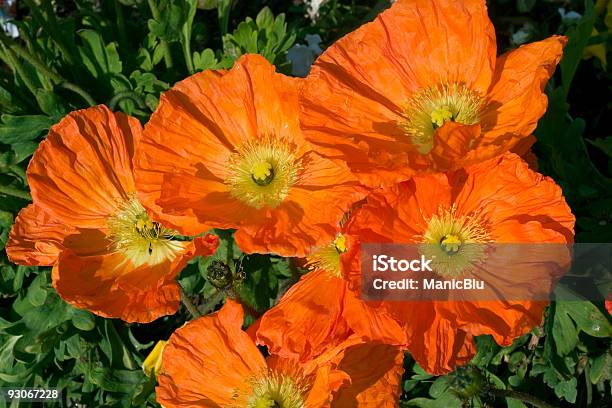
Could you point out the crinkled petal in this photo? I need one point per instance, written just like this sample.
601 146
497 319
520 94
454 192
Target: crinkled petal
373 384
516 97
90 276
307 320
36 238
184 161
82 172
521 206
207 361
355 94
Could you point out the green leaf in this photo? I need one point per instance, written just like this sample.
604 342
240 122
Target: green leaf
18 129
223 12
578 40
205 60
83 320
604 144
124 381
525 6
37 293
448 400
265 19
439 387
50 104
100 60
266 36
567 389
486 350
512 403
564 332
600 368
587 316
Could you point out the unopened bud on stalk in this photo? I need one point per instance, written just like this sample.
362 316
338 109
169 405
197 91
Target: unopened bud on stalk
466 382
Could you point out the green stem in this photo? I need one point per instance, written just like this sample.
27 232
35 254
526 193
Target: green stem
162 43
521 396
6 190
223 12
193 310
211 302
188 57
119 96
120 24
80 91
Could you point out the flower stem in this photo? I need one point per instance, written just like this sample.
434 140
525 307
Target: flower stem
521 396
193 310
119 96
79 91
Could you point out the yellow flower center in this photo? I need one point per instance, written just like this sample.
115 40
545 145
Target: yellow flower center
441 115
327 257
455 242
276 391
430 108
340 243
262 172
141 240
451 243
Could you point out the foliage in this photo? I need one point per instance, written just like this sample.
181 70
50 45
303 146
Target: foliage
125 53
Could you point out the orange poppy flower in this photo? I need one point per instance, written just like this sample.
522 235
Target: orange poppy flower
420 88
498 201
376 372
211 362
320 311
224 150
107 255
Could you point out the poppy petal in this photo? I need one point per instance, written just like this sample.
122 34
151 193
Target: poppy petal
302 324
82 171
228 120
36 238
208 360
354 97
516 98
372 385
107 283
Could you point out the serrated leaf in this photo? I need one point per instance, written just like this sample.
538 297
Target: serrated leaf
204 60
587 316
567 389
600 368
